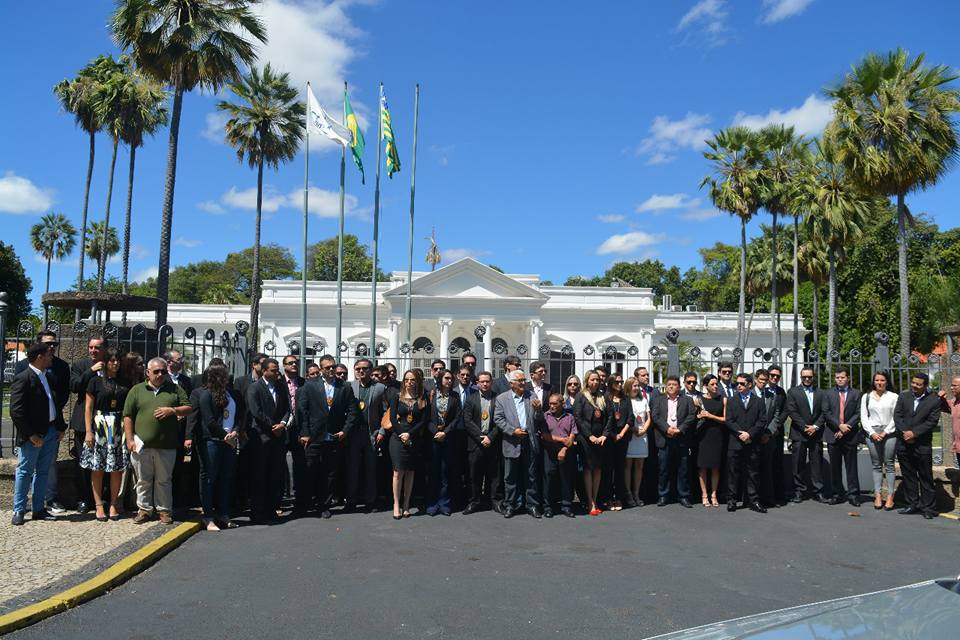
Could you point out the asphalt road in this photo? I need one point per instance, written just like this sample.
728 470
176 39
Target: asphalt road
631 574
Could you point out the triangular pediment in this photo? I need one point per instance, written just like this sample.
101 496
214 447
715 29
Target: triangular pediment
467 279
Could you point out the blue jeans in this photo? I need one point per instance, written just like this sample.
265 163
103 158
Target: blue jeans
216 479
32 469
672 461
439 490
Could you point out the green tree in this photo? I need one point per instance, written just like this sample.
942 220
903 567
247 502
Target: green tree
276 263
53 238
735 187
814 268
15 282
95 237
186 44
265 128
357 262
895 131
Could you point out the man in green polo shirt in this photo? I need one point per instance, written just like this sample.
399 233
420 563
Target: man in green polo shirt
150 422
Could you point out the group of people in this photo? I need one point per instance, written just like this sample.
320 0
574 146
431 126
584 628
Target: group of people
457 439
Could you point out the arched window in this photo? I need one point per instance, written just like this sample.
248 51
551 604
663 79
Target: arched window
500 352
458 347
423 353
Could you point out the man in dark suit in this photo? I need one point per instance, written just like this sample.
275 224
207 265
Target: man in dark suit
295 473
483 445
767 441
674 421
464 387
690 385
746 422
268 408
365 437
916 417
841 414
39 427
805 408
243 478
436 368
81 373
642 374
520 442
774 470
329 413
502 384
725 379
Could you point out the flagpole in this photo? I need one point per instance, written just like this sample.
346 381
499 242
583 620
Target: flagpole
413 183
343 170
303 284
376 226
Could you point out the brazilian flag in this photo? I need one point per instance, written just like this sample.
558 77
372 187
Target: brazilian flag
358 142
393 158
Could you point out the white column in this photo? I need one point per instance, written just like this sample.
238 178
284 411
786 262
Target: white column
393 351
444 338
488 346
535 339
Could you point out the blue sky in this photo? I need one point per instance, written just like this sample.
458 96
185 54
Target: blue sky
551 141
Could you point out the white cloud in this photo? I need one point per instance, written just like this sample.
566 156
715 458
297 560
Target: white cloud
247 199
211 207
20 195
187 242
326 204
323 203
138 252
778 10
700 214
658 202
708 17
452 255
810 118
213 131
612 218
628 242
667 136
145 274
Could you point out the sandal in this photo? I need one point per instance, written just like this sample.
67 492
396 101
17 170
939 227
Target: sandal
714 502
706 502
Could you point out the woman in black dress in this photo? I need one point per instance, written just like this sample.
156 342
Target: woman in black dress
590 414
409 416
619 426
711 433
444 411
103 446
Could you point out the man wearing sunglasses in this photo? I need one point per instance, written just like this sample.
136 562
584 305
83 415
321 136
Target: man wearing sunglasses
365 438
725 379
436 368
296 473
745 422
805 408
775 466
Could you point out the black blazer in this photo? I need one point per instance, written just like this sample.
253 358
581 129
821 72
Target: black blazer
751 419
263 411
80 377
421 418
923 421
832 418
800 416
686 419
319 418
447 422
472 419
185 382
500 385
588 424
781 406
206 421
617 419
30 409
61 375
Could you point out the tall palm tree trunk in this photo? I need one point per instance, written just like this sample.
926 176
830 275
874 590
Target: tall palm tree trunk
46 308
774 294
102 263
83 217
796 291
126 226
831 302
742 308
255 280
902 241
816 318
166 216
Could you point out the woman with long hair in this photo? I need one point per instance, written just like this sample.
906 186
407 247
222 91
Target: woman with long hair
638 447
444 411
132 369
711 433
876 417
103 445
409 416
619 426
590 414
216 422
571 389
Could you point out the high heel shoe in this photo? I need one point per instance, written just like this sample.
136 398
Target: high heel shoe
878 503
706 502
101 517
714 502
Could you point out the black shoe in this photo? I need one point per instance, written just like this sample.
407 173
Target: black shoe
56 508
835 500
473 507
17 518
535 512
43 514
929 516
685 503
854 501
349 508
797 499
82 507
325 514
507 512
662 502
908 511
759 508
639 503
548 513
629 503
567 511
818 497
731 506
498 507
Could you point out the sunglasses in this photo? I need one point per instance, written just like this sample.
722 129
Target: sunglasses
327 368
806 377
361 368
741 383
573 384
438 368
157 372
726 371
689 382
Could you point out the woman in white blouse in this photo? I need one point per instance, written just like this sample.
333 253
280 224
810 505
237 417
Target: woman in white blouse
637 449
876 418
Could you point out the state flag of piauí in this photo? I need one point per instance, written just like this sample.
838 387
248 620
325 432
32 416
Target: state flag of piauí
358 142
393 158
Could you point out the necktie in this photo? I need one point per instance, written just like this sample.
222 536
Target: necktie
843 400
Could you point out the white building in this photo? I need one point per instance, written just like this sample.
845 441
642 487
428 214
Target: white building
578 327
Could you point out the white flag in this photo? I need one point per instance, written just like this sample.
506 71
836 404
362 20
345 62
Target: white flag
320 122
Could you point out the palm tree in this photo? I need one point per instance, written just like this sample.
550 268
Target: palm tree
735 187
814 267
893 122
99 237
186 44
782 160
796 207
52 237
265 128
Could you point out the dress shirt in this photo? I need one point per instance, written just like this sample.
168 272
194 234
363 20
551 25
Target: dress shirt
538 393
272 389
486 409
954 406
877 416
292 390
808 391
231 416
42 374
521 411
672 411
561 427
917 399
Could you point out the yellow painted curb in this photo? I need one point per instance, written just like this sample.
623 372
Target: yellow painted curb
112 576
950 515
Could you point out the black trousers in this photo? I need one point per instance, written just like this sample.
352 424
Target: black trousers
484 466
269 465
916 470
771 470
804 453
361 469
743 467
844 455
83 486
322 461
559 475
